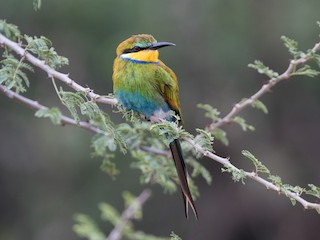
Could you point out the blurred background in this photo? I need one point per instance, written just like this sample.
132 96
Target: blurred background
47 173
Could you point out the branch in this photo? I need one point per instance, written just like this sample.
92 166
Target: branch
37 106
263 90
254 176
116 233
53 73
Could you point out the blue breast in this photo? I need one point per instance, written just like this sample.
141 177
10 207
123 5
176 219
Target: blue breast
139 103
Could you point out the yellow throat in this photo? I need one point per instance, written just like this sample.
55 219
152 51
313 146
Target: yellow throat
147 55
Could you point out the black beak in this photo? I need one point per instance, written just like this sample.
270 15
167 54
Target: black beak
158 45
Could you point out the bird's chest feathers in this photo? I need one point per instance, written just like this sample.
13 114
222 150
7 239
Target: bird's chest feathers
145 56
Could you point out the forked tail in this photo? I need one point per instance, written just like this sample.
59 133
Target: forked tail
178 159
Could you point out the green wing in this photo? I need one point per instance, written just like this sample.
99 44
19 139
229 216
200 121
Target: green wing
168 86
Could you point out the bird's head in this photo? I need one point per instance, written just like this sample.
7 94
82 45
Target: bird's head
142 48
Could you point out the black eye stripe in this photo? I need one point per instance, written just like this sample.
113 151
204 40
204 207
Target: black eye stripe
134 49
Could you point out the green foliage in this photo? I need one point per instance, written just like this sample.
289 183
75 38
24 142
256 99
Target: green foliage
53 113
262 69
43 49
211 112
286 188
9 30
259 105
276 180
86 227
155 169
306 70
109 166
12 73
199 169
313 190
171 130
292 47
204 139
220 135
243 124
148 144
72 100
237 174
174 236
258 165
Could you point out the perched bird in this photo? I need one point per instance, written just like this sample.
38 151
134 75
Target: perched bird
143 83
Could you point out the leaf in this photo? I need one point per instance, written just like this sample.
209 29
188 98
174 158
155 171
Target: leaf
10 31
211 112
86 227
42 47
306 70
314 190
287 188
262 69
258 165
90 109
174 236
109 213
276 180
102 141
109 167
237 175
155 169
260 105
171 130
292 46
221 136
242 122
53 113
72 100
12 73
199 169
204 139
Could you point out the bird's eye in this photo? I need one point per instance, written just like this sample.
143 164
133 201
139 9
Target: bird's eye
136 48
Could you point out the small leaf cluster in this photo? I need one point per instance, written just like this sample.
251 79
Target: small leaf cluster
13 69
54 114
42 48
286 189
148 144
87 228
237 174
301 70
214 115
13 73
9 30
218 133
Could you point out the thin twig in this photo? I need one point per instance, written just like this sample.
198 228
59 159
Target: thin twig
237 108
254 176
37 106
116 233
53 73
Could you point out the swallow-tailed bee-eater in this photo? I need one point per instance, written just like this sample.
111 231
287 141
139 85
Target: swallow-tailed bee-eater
144 84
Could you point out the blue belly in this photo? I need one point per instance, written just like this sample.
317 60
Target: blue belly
138 103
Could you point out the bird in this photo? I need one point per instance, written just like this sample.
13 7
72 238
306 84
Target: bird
144 84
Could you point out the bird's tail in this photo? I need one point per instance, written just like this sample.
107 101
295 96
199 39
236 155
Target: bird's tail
178 159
